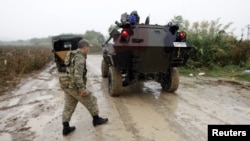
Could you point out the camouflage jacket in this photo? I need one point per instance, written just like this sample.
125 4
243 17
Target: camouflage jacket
76 69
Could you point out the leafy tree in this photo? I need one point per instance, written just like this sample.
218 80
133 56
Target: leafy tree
178 20
95 38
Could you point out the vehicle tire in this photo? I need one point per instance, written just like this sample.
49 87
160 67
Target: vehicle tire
114 81
105 69
172 83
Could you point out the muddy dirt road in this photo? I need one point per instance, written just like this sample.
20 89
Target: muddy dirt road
142 113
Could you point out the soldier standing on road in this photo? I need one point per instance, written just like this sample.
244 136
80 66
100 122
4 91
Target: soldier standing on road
76 90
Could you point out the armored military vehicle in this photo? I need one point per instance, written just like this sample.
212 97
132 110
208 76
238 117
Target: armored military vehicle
143 51
61 45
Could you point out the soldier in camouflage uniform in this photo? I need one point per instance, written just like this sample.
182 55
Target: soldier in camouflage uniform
76 91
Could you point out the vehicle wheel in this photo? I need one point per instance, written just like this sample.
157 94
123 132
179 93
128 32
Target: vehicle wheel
105 69
114 81
172 83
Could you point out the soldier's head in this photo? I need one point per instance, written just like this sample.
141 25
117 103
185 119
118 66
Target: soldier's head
84 46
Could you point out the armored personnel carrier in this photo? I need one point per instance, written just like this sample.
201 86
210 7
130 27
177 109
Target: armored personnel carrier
61 45
141 51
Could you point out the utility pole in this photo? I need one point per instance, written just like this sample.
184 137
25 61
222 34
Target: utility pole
248 32
242 34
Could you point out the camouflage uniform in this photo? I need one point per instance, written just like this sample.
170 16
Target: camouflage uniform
77 71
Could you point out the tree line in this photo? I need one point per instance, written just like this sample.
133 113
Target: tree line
213 43
94 37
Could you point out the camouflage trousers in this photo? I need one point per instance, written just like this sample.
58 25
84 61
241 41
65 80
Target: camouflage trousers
72 96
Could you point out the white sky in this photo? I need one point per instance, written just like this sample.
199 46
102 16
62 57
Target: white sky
24 19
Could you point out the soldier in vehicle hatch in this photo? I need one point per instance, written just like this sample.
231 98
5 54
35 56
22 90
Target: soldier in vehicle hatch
76 90
137 17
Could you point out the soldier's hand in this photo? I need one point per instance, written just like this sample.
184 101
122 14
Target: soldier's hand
83 93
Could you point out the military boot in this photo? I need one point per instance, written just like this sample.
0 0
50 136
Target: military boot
99 120
67 129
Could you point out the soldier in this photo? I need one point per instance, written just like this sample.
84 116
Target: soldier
134 13
76 90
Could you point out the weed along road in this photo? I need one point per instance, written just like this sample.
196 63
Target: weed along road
142 113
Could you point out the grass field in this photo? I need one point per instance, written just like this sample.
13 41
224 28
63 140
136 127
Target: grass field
17 61
230 71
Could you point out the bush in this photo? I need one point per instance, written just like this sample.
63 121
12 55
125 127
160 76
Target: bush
213 45
240 54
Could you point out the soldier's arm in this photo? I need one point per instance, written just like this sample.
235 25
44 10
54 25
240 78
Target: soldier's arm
78 73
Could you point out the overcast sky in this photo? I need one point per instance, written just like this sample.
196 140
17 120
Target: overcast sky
24 19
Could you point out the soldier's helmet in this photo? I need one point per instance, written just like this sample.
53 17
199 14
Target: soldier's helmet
82 43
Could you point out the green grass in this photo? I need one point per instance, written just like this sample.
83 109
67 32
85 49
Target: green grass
229 71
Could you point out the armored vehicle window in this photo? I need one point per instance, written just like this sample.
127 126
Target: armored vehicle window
67 45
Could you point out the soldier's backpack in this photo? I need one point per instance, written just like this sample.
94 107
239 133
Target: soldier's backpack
69 62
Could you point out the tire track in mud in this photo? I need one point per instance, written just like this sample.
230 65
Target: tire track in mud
122 110
18 105
163 106
118 102
22 94
200 110
27 102
150 124
126 118
166 104
199 114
